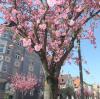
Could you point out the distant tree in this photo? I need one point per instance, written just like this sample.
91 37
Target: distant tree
50 28
68 91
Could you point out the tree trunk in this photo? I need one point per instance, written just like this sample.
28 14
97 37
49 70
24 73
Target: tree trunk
69 96
75 97
22 95
51 88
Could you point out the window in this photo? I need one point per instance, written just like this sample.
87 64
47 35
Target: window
8 50
1 57
7 58
17 56
31 69
1 62
4 68
6 36
20 43
17 64
1 48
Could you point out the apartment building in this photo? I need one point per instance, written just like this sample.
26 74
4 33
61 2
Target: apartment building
14 58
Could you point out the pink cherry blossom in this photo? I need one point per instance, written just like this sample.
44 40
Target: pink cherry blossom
26 42
30 49
42 26
30 34
23 83
1 7
14 11
78 9
12 18
83 20
30 2
19 26
57 33
38 47
51 3
41 11
37 2
71 22
2 30
10 0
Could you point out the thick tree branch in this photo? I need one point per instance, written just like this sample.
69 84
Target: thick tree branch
36 27
78 14
44 2
45 40
52 59
44 61
93 15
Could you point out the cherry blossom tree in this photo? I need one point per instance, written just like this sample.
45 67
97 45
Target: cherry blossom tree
50 28
22 83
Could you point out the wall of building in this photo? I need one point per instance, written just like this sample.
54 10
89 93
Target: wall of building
16 59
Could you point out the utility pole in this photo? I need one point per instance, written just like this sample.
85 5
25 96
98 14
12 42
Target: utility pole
80 70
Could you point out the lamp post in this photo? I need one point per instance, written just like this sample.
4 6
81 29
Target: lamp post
80 70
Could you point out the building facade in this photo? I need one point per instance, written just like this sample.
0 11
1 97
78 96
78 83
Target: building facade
14 58
87 89
66 86
96 91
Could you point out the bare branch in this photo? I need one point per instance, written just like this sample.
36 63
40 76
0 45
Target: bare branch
93 15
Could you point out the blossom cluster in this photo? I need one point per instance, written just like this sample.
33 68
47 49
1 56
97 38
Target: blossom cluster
23 83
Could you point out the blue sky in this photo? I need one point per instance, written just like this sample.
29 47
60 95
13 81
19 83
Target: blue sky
92 56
